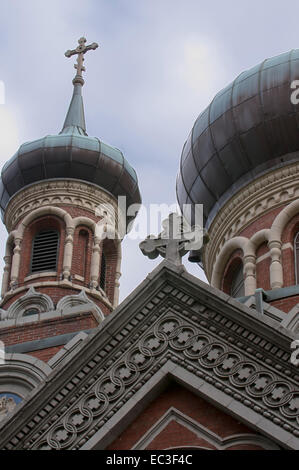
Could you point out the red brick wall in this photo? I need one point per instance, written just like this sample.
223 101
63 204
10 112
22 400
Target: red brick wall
264 221
45 354
47 328
286 304
83 241
177 435
109 249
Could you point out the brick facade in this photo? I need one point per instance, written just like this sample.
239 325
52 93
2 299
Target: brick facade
43 329
263 257
177 435
53 283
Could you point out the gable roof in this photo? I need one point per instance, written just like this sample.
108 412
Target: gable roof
172 326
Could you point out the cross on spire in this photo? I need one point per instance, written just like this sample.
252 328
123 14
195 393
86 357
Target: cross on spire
80 51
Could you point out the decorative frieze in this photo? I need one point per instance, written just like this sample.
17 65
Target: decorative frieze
57 193
208 342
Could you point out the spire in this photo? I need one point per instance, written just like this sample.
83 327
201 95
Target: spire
75 118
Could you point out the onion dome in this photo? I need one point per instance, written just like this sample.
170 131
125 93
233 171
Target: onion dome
250 128
72 154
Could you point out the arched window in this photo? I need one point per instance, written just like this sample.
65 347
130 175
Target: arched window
45 251
103 272
237 283
82 253
296 257
30 311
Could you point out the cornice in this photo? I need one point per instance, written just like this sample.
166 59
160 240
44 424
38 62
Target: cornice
170 318
56 193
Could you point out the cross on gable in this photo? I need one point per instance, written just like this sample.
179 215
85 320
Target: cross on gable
176 239
80 51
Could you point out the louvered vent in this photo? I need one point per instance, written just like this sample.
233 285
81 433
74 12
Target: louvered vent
45 250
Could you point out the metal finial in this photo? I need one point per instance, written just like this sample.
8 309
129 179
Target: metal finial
80 51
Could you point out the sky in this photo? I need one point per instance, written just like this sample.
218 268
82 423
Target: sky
158 65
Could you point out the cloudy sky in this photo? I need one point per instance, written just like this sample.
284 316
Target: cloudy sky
160 62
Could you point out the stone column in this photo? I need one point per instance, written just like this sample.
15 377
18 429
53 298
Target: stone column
276 274
68 253
5 279
95 263
117 275
15 267
249 271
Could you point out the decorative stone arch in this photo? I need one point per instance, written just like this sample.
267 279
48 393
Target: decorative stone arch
31 299
275 242
84 221
229 247
255 241
18 237
47 210
81 299
250 250
22 373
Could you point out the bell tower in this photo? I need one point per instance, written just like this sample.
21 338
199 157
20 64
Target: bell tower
241 163
58 197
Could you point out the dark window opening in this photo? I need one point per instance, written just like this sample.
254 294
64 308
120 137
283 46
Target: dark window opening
31 311
237 285
45 251
103 272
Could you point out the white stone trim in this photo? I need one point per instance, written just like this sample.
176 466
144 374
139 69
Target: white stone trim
22 373
41 274
173 414
44 198
249 247
71 301
100 295
267 192
57 193
31 299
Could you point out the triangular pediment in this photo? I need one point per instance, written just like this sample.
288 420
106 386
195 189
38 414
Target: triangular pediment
178 418
173 327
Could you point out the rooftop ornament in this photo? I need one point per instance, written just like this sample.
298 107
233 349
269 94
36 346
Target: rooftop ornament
80 51
176 239
75 119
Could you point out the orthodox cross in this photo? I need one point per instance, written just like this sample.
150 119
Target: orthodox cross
80 51
176 239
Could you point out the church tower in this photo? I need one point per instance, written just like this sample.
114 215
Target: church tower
241 162
59 196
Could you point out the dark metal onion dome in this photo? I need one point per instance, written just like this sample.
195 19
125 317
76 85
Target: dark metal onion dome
250 127
70 155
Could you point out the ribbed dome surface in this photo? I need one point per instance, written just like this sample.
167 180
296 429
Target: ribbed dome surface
69 156
250 127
